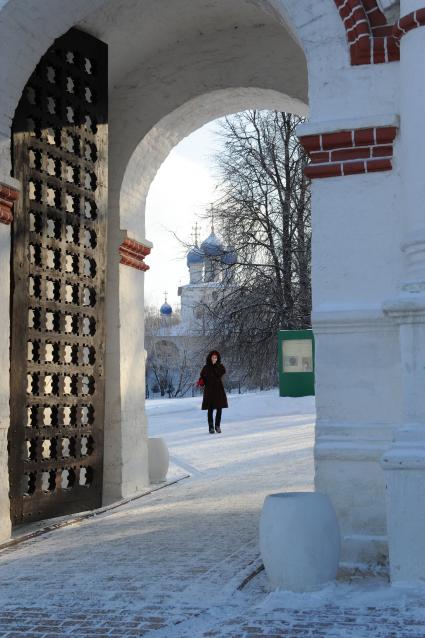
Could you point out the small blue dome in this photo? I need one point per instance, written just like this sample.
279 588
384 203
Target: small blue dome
229 257
166 310
212 246
195 256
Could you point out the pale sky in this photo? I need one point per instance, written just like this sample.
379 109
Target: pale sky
181 191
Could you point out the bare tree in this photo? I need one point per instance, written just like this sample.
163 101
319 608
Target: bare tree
159 367
263 213
172 363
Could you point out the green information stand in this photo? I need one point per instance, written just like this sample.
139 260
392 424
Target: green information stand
296 363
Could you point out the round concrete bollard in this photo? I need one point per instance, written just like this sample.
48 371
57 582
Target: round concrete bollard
159 460
299 540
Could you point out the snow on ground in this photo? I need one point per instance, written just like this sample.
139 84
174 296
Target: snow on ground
169 564
252 433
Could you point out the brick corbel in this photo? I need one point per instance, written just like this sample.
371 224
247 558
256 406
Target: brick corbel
132 253
8 197
350 151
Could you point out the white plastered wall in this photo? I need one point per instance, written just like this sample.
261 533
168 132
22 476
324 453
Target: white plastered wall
356 268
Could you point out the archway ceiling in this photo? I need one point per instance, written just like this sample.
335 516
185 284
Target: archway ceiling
165 53
140 32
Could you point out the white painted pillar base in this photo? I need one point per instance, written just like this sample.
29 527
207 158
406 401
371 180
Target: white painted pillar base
404 466
404 462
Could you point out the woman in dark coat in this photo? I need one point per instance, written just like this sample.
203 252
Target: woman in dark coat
214 394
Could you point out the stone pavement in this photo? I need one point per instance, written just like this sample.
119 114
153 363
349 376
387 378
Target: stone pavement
170 564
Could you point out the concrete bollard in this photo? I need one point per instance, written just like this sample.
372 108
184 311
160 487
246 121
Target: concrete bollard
159 460
299 540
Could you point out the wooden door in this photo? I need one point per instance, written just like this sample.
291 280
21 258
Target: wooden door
59 152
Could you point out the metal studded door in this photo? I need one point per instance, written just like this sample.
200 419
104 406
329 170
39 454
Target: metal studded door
58 282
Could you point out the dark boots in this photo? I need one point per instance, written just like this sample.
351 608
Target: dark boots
211 421
218 421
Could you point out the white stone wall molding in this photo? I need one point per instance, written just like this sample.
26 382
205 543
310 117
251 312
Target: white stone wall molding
408 308
348 321
337 450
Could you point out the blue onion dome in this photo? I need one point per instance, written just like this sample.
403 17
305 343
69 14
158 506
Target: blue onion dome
212 246
166 310
195 256
229 257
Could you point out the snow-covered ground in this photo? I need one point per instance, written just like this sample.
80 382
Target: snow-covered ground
258 429
171 564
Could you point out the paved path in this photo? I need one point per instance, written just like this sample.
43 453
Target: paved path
170 564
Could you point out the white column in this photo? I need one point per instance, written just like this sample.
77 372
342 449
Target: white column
4 380
404 463
8 192
125 470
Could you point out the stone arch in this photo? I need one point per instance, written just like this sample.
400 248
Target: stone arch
190 116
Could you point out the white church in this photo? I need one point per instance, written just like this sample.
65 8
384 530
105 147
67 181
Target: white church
186 333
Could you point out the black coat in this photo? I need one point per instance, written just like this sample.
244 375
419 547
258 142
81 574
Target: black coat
214 394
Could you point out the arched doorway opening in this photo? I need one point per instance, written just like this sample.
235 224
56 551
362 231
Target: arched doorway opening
157 144
210 61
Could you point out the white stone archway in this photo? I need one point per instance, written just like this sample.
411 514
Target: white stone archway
142 167
163 62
